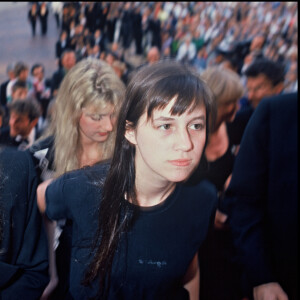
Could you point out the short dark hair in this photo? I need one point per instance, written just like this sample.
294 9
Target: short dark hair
274 71
2 111
19 84
19 67
37 65
27 106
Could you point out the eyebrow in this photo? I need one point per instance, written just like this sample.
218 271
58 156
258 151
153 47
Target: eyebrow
168 119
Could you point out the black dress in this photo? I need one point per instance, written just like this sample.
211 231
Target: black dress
220 275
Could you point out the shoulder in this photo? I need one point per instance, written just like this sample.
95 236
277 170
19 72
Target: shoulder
42 144
16 165
203 193
4 133
87 176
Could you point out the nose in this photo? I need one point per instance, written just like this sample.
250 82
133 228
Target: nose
107 124
12 121
183 140
250 94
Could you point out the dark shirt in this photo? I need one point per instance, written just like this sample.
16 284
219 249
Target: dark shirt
160 245
217 171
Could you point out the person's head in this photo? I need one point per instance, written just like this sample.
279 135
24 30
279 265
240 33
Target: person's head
63 35
227 89
110 58
23 116
37 71
97 33
153 55
86 109
161 134
21 70
19 90
257 43
68 59
264 78
10 71
158 99
119 68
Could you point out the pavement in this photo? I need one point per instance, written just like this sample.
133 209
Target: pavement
17 43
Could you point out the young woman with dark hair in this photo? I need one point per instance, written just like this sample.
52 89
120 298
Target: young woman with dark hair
146 223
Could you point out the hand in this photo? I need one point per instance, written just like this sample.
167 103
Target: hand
269 291
49 288
220 219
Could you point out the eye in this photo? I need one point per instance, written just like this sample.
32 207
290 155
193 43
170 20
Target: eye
95 117
198 126
165 126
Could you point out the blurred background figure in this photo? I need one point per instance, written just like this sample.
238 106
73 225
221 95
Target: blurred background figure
33 15
21 131
23 242
43 17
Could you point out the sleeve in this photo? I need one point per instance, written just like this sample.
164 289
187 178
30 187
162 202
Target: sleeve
56 200
26 266
246 198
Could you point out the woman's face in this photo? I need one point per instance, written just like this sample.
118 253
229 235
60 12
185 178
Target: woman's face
168 148
95 126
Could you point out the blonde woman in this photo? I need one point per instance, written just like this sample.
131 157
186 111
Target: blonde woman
81 134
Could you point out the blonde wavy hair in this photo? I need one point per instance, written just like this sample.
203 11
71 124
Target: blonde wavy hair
91 82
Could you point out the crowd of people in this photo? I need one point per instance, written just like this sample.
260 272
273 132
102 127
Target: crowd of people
163 147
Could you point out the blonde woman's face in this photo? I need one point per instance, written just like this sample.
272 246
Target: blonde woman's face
95 126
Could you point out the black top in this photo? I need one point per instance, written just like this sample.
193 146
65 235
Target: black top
160 245
217 171
23 244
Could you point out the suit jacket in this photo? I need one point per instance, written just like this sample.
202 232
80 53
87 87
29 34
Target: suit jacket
3 93
262 199
57 78
7 140
23 244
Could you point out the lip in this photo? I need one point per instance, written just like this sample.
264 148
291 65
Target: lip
103 133
180 162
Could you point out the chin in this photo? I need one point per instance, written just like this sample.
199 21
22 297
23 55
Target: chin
179 177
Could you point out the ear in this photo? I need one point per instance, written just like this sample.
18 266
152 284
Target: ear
130 133
34 122
279 88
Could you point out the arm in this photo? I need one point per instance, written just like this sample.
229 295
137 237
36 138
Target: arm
50 230
192 279
41 200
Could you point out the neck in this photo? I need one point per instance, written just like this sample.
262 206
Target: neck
151 189
218 143
89 154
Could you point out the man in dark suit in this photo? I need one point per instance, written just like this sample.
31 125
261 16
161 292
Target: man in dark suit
24 253
68 60
11 75
262 200
21 131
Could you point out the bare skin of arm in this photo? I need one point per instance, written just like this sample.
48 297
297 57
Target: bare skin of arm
50 230
192 279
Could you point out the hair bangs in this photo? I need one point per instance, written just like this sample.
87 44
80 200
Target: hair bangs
185 89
